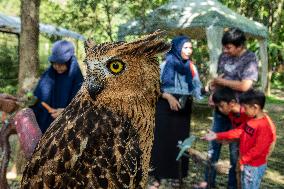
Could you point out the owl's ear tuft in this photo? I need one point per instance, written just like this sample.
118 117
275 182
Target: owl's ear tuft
155 47
89 44
150 45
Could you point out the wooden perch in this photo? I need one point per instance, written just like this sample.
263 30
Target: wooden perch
5 132
24 124
222 166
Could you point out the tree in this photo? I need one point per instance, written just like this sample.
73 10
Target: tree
96 18
29 37
29 57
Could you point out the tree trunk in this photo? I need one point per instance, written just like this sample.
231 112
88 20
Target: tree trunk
29 57
29 37
268 88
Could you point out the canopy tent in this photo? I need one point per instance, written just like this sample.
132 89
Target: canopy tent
200 19
12 24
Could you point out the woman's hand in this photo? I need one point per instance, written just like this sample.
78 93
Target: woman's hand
173 102
55 112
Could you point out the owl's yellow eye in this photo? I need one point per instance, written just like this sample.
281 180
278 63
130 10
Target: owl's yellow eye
115 67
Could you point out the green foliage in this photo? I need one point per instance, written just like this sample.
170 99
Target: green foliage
8 89
200 56
277 80
10 7
44 51
95 18
8 63
276 53
274 100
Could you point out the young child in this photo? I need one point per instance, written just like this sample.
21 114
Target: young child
225 99
257 137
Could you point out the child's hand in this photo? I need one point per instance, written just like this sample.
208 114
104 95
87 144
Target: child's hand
241 167
210 136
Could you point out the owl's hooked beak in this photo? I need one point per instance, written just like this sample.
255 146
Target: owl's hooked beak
95 86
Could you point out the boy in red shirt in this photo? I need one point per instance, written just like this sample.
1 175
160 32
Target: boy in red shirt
257 137
225 99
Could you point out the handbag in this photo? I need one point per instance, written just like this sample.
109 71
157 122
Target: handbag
182 99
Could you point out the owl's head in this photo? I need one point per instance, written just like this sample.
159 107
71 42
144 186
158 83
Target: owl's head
122 68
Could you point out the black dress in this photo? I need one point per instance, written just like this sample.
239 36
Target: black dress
170 127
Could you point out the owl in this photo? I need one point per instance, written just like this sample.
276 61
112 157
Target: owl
103 139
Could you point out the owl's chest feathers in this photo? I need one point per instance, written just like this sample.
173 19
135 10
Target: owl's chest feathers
134 106
137 108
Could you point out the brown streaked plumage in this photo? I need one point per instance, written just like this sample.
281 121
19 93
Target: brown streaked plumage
103 139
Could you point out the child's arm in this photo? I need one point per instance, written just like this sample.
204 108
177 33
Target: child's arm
232 134
210 136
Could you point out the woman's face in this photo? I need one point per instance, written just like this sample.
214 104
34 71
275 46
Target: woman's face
60 68
186 50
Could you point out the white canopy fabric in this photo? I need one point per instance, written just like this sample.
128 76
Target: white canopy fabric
200 19
12 24
192 17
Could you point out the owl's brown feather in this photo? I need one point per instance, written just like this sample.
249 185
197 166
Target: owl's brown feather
103 139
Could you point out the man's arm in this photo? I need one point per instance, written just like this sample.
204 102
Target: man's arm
248 75
241 86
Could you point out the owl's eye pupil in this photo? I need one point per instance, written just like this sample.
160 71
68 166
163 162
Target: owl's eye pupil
115 66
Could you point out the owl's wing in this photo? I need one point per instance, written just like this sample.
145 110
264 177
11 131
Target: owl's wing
87 146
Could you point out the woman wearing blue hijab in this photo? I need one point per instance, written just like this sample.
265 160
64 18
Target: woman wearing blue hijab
179 82
58 84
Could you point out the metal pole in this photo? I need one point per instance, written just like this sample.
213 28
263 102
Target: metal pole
180 172
209 173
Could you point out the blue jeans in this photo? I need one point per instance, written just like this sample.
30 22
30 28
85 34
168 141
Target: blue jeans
222 123
251 176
